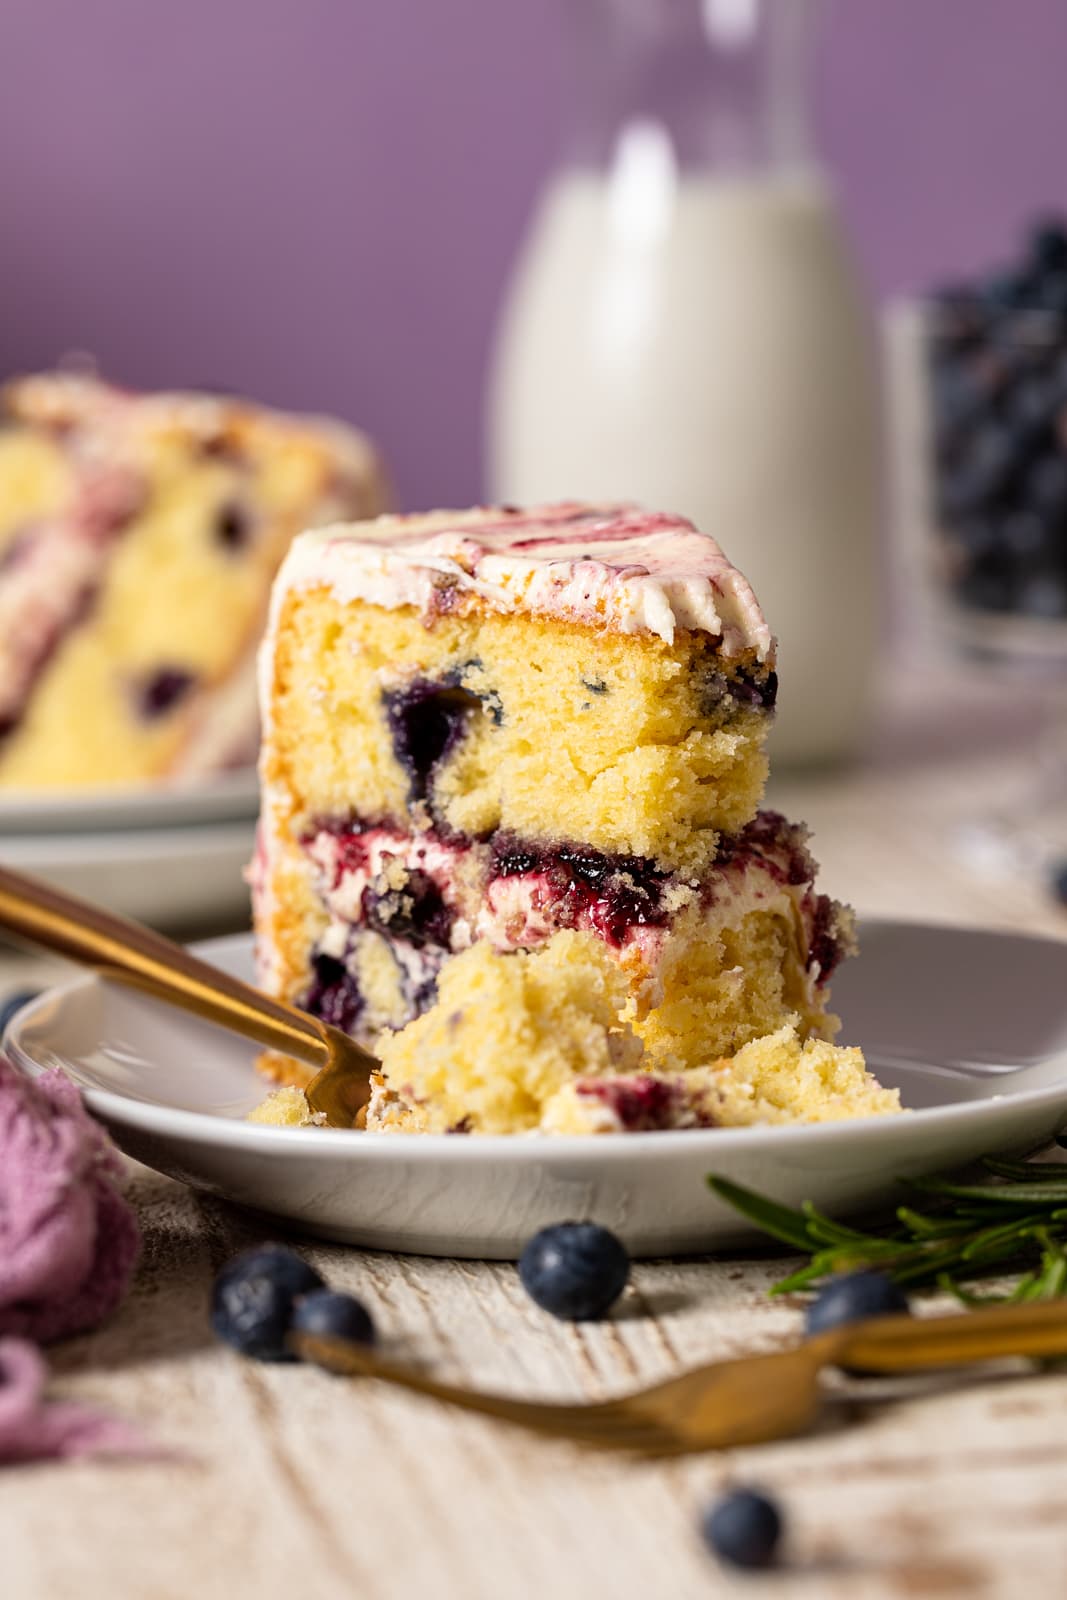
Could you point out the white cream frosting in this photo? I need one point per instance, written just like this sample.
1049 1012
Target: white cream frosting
612 566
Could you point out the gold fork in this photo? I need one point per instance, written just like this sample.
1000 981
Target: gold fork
123 949
745 1401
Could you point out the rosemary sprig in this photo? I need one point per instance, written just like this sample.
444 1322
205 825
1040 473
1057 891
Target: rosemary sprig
1013 1222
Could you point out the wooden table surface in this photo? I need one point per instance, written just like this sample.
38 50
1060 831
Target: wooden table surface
287 1483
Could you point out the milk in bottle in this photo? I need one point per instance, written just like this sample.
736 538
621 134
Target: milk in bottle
685 328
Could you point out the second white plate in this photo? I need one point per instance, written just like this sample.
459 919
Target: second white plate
225 797
170 877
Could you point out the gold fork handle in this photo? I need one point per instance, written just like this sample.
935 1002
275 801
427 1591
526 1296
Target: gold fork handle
900 1344
355 1361
94 937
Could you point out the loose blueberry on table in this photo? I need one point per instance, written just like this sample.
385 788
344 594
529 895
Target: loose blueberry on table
852 1297
253 1298
575 1270
329 1315
744 1528
263 1295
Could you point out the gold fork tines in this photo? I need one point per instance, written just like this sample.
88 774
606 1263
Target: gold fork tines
139 956
731 1403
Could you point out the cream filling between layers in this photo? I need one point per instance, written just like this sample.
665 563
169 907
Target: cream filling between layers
521 910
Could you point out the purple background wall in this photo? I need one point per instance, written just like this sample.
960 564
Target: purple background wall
316 201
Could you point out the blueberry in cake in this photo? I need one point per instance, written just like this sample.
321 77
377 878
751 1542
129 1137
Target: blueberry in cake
510 835
139 535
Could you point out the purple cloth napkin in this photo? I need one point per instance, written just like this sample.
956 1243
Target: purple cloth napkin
68 1244
34 1429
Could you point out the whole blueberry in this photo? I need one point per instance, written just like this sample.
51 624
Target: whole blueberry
1043 594
332 1315
1048 243
852 1297
744 1528
987 586
14 1003
1024 536
575 1270
1051 293
253 1299
1046 484
1006 290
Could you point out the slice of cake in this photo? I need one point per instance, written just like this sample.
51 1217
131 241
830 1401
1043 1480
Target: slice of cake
139 535
510 840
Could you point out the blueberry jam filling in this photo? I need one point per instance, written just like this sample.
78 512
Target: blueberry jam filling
416 913
639 1104
162 691
426 721
612 893
770 838
334 994
824 945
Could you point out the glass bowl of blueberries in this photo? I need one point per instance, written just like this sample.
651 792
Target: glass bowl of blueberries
995 366
996 354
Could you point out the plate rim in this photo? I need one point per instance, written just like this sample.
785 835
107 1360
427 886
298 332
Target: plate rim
207 1128
221 796
98 846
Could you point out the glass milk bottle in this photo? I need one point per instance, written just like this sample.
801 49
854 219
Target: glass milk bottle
685 329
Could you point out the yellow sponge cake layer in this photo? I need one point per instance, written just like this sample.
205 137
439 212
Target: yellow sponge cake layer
521 1042
622 732
138 539
774 1080
507 1032
582 673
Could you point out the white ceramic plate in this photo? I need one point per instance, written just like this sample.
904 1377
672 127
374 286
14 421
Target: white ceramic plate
972 1026
225 797
170 877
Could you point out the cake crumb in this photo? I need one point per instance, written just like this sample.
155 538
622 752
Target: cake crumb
286 1108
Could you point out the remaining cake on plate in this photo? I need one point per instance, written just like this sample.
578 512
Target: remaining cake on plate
139 535
510 835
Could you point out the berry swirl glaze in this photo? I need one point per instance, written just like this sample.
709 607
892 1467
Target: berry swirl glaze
607 566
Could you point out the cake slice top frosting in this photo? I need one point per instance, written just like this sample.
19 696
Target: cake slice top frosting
610 566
